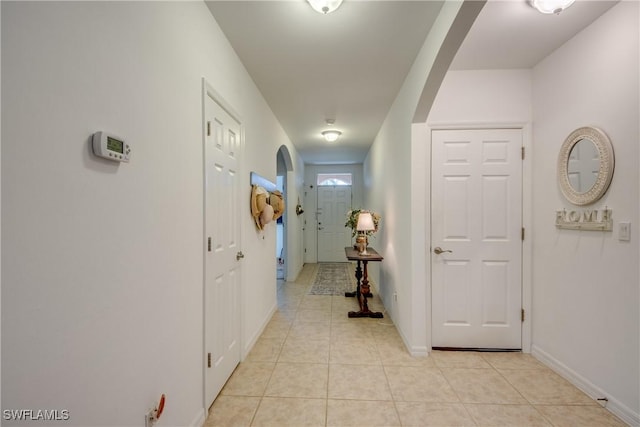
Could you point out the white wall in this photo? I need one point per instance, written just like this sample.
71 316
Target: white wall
102 277
310 201
586 284
389 186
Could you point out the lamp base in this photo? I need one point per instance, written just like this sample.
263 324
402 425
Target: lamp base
361 243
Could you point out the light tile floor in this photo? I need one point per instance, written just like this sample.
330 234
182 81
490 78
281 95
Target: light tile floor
313 366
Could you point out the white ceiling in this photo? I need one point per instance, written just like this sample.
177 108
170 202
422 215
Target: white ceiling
349 65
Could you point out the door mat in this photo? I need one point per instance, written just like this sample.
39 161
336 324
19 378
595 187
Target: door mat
332 278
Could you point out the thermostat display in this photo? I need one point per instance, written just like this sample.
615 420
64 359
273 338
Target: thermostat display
111 147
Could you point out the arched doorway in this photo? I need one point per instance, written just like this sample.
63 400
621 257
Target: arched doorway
283 167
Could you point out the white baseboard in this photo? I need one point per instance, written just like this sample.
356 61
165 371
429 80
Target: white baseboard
250 342
613 405
199 419
419 351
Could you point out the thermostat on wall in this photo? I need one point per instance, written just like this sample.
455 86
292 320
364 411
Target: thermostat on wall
111 147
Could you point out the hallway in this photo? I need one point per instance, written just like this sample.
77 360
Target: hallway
313 366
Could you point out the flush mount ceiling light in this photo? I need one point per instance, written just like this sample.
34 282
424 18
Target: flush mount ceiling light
550 6
325 6
331 135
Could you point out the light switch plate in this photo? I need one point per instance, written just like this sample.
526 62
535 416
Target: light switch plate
624 231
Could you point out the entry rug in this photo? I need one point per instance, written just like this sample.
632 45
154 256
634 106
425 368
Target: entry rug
333 278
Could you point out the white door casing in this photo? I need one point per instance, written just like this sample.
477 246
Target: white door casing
222 145
333 204
477 215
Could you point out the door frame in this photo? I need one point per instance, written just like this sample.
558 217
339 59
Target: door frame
208 90
527 181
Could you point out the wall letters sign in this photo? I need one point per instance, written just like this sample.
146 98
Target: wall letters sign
589 220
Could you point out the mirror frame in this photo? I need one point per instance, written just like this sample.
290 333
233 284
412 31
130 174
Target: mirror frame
605 173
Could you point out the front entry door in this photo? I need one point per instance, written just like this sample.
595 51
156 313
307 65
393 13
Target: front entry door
221 246
476 238
333 204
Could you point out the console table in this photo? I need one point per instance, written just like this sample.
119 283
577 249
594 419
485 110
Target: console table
363 290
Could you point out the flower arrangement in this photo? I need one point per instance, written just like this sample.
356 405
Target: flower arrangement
352 221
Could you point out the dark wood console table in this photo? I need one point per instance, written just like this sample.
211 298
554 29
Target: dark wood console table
363 290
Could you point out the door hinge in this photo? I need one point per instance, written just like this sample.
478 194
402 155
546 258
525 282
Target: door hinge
522 236
522 150
208 128
209 244
208 360
522 314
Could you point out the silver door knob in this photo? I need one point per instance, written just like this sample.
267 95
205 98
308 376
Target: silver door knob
438 250
239 256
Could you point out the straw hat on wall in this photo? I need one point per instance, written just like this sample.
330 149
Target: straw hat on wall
265 206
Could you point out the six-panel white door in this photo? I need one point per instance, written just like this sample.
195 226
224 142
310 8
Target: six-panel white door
477 222
222 240
333 204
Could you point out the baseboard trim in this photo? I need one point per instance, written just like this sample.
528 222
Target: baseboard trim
613 405
419 351
199 419
249 343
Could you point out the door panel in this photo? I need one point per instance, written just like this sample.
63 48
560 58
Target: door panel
333 204
222 269
476 220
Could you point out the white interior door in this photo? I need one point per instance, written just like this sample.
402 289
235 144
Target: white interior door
333 204
222 240
477 220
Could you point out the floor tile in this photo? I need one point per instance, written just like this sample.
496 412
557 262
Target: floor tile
512 360
313 365
312 315
249 379
459 359
232 411
579 415
277 327
356 352
358 413
422 414
315 302
506 416
394 353
358 382
341 303
305 350
413 384
347 331
310 330
265 350
293 412
298 380
482 386
546 387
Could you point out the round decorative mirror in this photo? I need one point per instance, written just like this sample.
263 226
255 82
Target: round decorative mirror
585 165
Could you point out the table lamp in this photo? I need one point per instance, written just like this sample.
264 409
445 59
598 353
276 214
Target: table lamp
365 224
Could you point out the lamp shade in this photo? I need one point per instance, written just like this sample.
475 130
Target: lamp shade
365 222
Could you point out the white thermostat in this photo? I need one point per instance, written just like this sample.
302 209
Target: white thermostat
111 147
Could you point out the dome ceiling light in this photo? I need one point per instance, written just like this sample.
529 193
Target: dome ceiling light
325 6
331 135
550 6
